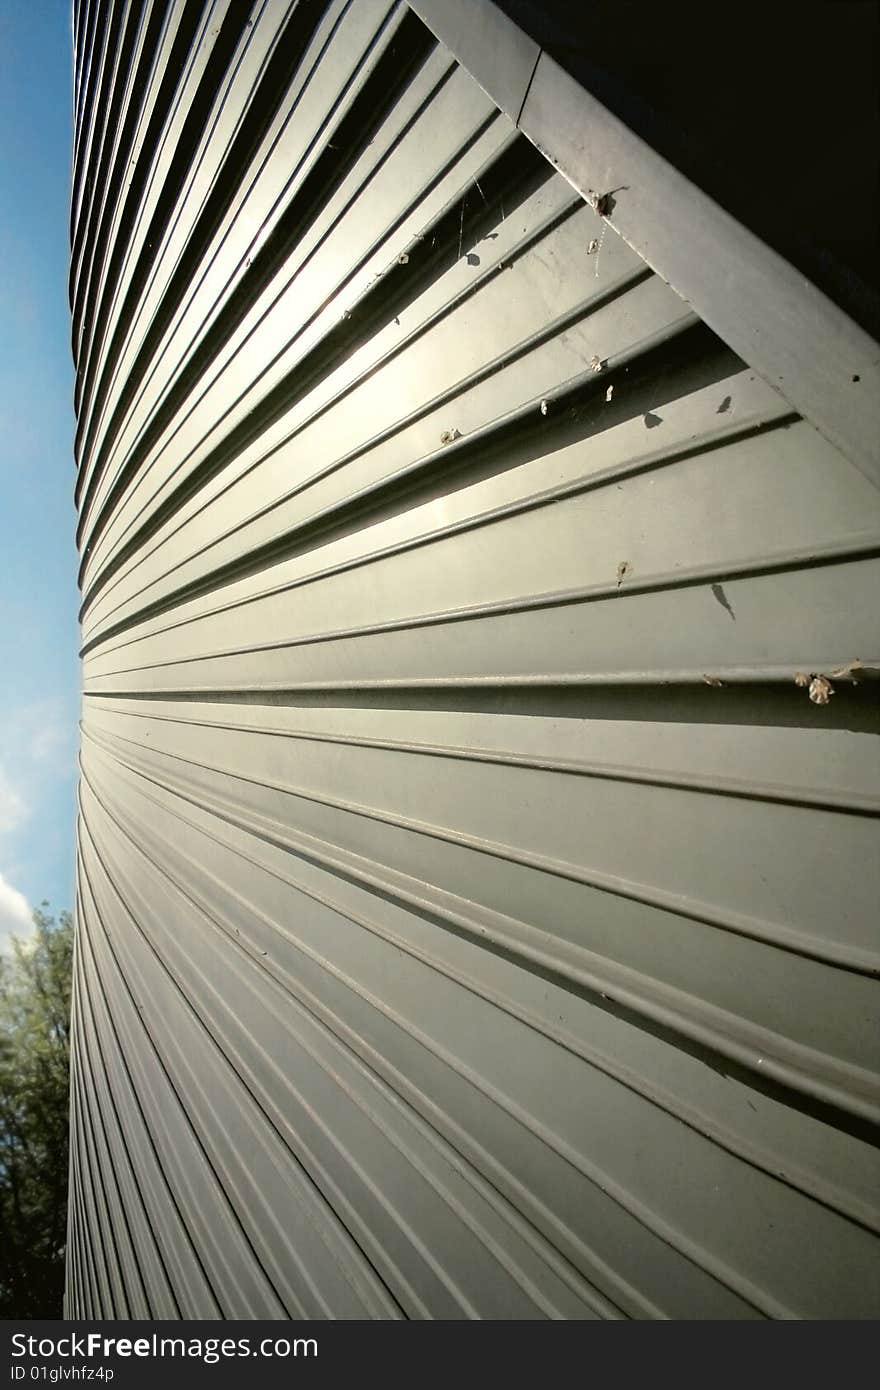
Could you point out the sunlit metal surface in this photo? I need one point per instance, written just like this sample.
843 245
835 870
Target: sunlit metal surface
476 914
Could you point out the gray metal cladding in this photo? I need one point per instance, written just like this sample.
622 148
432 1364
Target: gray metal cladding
476 916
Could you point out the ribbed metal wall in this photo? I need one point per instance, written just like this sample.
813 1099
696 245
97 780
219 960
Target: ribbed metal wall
475 916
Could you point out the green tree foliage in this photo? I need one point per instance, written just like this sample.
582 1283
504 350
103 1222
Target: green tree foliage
34 1099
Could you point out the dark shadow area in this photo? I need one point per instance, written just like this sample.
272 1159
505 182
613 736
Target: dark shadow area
771 109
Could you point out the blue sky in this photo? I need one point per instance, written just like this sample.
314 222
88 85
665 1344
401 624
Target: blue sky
39 666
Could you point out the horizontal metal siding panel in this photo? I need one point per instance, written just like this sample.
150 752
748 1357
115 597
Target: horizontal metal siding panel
143 31
163 142
476 918
315 103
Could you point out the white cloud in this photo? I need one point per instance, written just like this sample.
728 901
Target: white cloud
39 744
13 810
15 914
37 769
47 741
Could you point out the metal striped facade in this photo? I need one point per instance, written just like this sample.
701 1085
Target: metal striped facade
475 918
